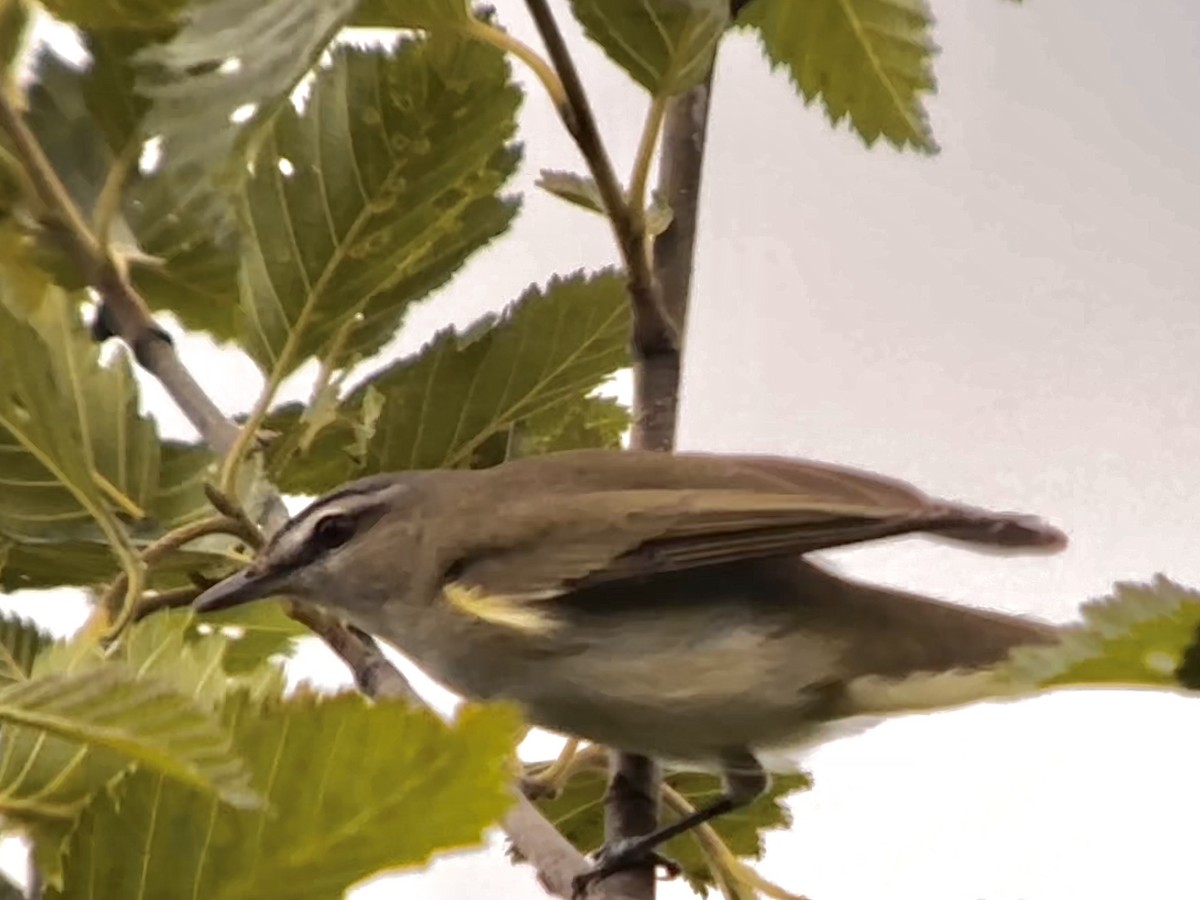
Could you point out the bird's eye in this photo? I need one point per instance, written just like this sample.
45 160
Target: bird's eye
333 531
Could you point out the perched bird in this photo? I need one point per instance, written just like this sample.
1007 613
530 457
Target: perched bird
656 603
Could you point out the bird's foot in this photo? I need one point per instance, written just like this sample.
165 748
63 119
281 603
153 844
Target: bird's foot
620 857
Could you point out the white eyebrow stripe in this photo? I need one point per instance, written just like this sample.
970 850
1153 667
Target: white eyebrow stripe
289 547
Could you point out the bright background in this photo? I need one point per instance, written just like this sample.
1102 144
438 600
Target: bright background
1014 324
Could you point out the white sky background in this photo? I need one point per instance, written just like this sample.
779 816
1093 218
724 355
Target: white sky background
1014 323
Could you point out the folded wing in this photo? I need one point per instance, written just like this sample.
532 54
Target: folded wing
764 507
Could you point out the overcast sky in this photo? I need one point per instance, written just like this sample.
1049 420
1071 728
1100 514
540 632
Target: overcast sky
1014 323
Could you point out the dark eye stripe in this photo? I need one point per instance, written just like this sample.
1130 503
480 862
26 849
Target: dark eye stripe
315 544
372 484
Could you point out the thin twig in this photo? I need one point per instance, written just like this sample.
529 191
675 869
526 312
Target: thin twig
164 546
656 376
653 329
175 598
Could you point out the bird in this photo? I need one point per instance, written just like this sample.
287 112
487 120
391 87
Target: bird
662 604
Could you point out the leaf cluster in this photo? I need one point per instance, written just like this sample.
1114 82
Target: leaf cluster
158 771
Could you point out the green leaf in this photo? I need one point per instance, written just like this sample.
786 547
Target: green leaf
586 422
47 413
545 350
186 266
20 642
67 426
14 26
869 60
444 405
142 15
582 191
108 83
45 780
428 14
253 634
1143 634
171 647
58 116
666 46
229 56
83 119
142 719
578 812
394 165
354 787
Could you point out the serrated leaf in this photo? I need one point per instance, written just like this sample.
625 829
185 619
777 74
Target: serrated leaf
583 192
578 813
544 350
46 418
229 56
442 406
144 720
1143 634
185 266
389 182
20 642
580 190
84 118
868 60
67 425
46 780
666 46
586 422
384 786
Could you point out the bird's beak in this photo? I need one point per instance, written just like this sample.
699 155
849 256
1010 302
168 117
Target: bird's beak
242 587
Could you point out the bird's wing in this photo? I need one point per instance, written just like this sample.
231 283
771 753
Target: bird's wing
601 537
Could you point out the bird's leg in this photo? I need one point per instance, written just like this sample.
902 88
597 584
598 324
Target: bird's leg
745 781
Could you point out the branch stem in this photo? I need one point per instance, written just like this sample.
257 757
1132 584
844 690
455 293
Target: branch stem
641 167
652 326
634 789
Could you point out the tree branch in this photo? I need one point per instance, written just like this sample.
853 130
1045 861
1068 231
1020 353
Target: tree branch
128 317
634 789
658 324
653 329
